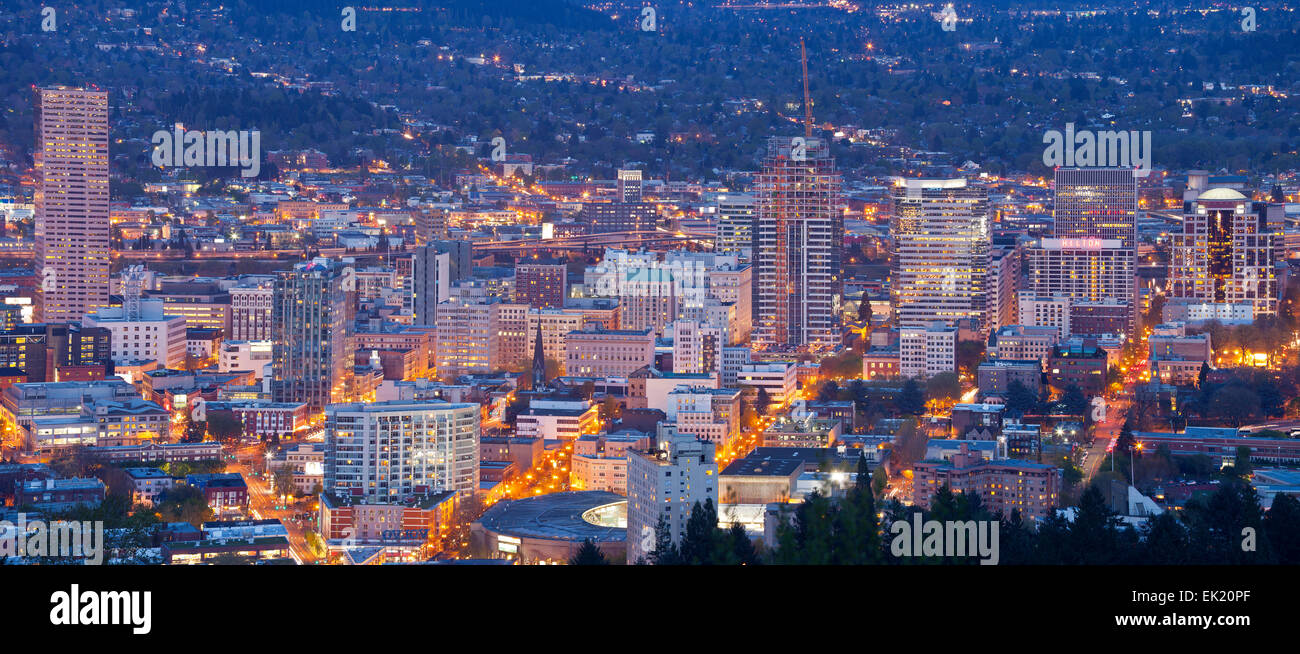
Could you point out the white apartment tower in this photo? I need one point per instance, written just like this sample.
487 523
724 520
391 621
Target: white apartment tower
666 482
387 451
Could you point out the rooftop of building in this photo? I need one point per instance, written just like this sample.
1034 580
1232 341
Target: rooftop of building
557 516
812 457
147 473
600 331
419 501
66 484
1011 363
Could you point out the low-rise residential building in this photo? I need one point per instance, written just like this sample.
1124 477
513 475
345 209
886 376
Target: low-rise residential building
779 378
1003 486
607 352
995 376
410 530
927 351
557 419
147 484
805 431
1022 342
52 495
154 452
225 492
977 421
1078 362
711 414
251 356
599 461
264 419
260 540
105 423
881 363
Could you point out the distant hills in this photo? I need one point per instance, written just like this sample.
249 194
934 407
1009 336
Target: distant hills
469 13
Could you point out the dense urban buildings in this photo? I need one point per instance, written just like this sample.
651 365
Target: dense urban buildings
462 289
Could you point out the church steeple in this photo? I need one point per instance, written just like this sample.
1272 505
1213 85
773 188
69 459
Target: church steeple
539 361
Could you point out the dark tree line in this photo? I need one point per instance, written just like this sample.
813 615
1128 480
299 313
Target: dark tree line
1227 527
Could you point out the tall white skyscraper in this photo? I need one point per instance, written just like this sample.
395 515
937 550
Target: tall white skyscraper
430 281
799 238
72 222
939 268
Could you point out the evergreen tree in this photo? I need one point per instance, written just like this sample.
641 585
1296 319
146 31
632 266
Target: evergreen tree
665 552
700 543
589 554
1094 534
856 532
863 479
742 549
1020 400
1165 542
1015 541
1216 525
911 399
1282 526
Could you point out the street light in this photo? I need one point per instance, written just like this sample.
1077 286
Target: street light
1133 463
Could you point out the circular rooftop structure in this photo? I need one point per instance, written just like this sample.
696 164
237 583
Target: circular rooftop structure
1220 194
552 527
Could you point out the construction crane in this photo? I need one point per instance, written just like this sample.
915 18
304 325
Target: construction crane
807 101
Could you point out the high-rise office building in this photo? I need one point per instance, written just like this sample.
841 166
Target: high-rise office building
1226 253
1000 287
1093 256
1096 203
41 351
469 337
1084 269
629 186
430 282
460 260
607 217
389 451
798 239
666 482
250 308
541 283
72 224
311 317
736 225
939 267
